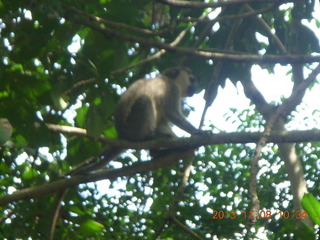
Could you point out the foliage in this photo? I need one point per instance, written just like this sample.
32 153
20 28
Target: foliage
312 207
66 62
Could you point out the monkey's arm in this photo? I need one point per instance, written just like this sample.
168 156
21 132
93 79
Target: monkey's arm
174 115
179 120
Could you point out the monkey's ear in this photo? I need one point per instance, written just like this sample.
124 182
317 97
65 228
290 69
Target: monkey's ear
172 73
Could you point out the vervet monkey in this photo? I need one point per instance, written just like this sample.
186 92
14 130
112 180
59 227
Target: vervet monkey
145 111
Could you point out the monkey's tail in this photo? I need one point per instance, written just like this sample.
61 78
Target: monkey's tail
95 163
108 154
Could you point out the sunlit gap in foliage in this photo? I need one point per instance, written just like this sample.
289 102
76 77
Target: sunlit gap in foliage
264 40
69 115
76 44
213 13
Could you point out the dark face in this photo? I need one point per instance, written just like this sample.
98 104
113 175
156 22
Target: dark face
192 88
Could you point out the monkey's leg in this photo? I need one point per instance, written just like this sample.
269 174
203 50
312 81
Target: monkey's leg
140 123
163 131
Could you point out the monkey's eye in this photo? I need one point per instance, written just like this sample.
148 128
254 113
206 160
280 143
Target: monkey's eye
193 79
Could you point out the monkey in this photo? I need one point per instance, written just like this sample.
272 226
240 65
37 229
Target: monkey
145 111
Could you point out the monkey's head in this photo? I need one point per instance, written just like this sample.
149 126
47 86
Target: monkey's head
183 77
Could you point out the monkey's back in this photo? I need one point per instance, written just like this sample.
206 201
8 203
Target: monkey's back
140 108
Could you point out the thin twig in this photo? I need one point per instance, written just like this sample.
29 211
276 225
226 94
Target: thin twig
186 229
160 52
177 197
249 14
116 24
211 91
56 213
278 42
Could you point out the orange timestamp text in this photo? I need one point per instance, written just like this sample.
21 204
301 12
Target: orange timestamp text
260 215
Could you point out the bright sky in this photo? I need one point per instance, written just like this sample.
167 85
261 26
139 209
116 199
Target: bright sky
273 87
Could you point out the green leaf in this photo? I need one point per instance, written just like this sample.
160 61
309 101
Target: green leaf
312 206
29 173
90 227
94 121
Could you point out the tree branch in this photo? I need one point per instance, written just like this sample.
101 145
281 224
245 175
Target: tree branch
163 161
196 140
115 24
204 54
282 112
211 91
249 14
275 38
186 229
191 4
62 184
291 102
178 195
158 54
56 213
257 98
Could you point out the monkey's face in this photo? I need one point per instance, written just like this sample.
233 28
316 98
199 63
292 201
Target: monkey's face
192 87
183 77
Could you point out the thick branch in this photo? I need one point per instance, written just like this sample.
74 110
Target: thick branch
295 98
252 92
141 167
193 4
62 184
286 107
196 141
